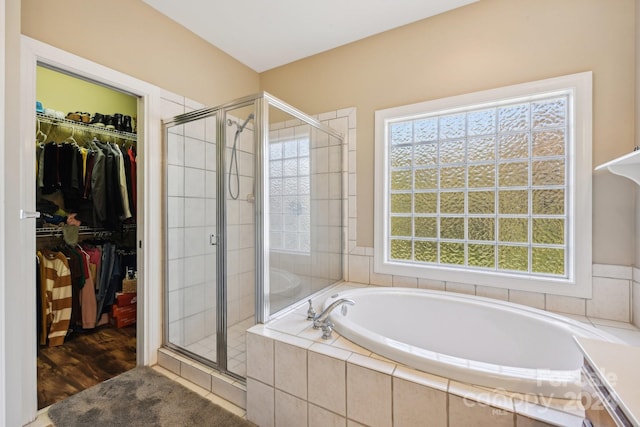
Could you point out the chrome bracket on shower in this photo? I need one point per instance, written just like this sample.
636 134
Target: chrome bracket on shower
213 239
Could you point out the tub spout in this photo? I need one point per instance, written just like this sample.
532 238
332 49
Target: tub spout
321 321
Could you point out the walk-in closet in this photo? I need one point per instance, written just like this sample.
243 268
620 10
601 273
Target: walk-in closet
86 260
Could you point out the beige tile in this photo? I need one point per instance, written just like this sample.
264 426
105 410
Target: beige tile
331 350
612 271
260 358
528 422
568 406
405 282
415 404
368 396
230 390
465 413
614 324
351 423
291 324
198 375
290 411
421 378
491 292
359 269
611 299
315 335
532 299
291 369
481 396
167 361
378 278
530 414
565 304
327 382
631 337
345 344
260 403
296 341
460 288
191 386
435 285
223 403
576 317
166 372
382 358
375 363
320 417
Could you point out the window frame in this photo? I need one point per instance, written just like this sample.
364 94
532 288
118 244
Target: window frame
579 187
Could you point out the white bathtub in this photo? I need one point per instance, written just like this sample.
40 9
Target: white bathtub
283 283
467 338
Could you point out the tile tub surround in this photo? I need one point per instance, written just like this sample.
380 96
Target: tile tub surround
293 374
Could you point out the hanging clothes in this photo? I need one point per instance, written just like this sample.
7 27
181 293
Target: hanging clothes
56 289
132 157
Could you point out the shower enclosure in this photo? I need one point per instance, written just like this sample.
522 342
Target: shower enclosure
253 225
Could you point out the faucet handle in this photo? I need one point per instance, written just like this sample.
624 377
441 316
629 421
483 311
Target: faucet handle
327 328
311 313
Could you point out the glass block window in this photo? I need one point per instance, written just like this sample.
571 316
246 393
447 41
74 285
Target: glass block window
290 218
482 188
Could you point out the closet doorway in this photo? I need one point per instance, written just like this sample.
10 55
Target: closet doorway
86 233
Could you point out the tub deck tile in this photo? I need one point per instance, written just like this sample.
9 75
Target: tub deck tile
328 350
371 363
472 393
422 378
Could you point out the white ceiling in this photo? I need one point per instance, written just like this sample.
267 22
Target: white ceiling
265 34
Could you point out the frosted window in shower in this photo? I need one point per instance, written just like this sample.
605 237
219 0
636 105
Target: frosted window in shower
486 186
290 188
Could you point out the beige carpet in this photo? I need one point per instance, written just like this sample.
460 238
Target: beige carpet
141 397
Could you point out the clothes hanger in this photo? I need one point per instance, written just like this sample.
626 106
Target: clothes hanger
71 139
39 133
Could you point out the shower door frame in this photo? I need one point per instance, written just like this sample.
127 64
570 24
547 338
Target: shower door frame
220 113
263 308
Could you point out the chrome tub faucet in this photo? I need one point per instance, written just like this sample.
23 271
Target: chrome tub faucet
321 321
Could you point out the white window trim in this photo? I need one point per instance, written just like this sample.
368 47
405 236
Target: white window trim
579 188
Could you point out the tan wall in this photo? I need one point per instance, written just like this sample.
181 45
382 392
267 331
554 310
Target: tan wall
488 44
131 37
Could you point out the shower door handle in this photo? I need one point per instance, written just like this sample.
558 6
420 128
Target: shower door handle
29 214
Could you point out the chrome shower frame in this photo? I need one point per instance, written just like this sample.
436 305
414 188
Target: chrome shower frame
261 103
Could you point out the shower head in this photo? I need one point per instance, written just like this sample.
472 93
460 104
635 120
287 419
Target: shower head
240 126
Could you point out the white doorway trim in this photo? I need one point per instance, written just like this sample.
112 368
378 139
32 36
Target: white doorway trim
3 57
150 253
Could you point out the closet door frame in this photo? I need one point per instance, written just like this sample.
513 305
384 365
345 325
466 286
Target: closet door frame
22 339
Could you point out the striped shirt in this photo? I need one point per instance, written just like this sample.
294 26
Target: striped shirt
56 285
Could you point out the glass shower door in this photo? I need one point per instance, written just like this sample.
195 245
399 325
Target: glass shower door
191 189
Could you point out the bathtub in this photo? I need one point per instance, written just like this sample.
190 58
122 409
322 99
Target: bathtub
283 283
469 339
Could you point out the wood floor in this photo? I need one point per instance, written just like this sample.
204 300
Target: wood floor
84 360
